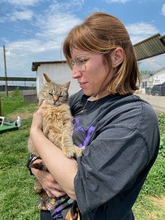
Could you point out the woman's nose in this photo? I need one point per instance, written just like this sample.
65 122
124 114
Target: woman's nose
75 72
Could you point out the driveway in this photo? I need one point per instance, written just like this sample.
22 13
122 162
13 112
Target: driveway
157 102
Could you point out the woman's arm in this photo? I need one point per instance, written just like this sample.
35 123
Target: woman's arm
62 169
48 183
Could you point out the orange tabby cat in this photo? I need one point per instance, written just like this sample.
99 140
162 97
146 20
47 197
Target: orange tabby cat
57 127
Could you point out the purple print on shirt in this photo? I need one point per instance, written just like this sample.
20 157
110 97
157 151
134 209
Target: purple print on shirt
87 134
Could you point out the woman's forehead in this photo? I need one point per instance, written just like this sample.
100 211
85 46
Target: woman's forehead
78 52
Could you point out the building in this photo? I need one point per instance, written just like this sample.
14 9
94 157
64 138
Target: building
58 71
159 76
154 78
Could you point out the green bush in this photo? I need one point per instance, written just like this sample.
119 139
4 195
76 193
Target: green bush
155 182
162 134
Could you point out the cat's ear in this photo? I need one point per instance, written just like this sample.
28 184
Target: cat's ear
66 85
47 78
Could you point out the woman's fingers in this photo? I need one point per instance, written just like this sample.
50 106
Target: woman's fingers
54 193
52 188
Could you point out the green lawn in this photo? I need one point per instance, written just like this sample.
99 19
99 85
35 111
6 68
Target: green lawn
17 198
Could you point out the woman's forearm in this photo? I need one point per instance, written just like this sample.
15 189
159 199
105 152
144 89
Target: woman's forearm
62 168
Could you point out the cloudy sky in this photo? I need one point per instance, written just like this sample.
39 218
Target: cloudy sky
34 30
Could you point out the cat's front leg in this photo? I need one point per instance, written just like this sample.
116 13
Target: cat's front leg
67 145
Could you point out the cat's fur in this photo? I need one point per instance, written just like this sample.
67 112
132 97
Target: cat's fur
57 124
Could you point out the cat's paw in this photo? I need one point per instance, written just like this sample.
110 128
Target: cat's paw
79 151
70 153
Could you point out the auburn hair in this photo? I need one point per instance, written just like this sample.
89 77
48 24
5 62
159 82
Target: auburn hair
102 33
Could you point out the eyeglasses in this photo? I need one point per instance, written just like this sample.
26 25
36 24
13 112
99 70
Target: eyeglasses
79 62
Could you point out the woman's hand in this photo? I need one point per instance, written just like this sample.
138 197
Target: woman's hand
48 183
37 121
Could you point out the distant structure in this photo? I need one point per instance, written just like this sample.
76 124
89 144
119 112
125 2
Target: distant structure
58 71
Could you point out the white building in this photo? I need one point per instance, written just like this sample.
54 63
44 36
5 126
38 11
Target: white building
159 77
58 71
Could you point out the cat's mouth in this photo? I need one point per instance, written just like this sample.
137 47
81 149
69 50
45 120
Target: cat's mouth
57 103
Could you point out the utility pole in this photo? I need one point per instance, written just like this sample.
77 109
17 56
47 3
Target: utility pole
5 70
0 107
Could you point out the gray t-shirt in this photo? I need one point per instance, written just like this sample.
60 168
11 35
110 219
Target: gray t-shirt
121 138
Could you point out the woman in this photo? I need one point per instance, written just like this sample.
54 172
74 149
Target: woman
119 130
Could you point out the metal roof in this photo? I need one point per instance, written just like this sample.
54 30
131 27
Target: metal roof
150 47
35 65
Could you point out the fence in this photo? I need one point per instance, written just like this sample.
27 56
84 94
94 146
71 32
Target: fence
12 83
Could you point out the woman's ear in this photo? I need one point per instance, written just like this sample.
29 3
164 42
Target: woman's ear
117 56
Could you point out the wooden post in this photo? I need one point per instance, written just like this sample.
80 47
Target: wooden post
5 70
0 107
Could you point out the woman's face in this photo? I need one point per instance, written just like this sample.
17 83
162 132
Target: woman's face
91 71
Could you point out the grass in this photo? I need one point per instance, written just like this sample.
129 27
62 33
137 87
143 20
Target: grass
17 198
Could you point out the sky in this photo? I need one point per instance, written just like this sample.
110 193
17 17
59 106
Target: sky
34 30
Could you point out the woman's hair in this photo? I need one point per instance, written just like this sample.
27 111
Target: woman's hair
102 33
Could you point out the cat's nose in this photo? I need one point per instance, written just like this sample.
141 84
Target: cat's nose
55 100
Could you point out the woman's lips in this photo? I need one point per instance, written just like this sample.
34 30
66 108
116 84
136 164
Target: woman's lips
82 84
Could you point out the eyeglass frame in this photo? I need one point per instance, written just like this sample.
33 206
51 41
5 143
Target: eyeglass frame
79 62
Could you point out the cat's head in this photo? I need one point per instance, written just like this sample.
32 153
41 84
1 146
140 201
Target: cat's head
53 93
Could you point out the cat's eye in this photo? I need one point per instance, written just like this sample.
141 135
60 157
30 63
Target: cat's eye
60 95
50 93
